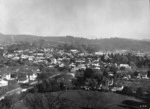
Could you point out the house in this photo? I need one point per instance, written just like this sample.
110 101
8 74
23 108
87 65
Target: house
10 76
31 58
33 76
16 58
96 64
7 76
61 65
23 80
53 61
72 65
127 77
74 51
97 68
82 66
114 89
24 56
3 83
10 55
80 60
142 75
74 69
72 74
100 53
126 66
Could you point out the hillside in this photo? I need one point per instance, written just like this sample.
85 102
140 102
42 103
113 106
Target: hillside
81 43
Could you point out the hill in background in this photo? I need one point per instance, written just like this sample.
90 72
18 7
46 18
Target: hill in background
69 42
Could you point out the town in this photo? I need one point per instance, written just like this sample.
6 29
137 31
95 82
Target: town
42 69
74 54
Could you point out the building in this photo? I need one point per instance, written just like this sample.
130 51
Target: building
3 83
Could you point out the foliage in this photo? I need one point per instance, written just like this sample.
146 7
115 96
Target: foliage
88 73
127 91
46 101
94 100
9 102
139 92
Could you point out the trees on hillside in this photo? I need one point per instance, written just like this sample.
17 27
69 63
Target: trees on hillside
139 92
127 90
148 74
42 76
9 102
94 100
47 101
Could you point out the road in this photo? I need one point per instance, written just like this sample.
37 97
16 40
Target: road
19 90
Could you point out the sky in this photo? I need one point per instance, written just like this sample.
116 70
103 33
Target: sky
81 18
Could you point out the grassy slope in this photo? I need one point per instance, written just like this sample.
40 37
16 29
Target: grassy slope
114 99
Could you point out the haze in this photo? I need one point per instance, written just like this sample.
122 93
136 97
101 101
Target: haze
83 18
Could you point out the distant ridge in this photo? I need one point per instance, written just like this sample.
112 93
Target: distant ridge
146 40
100 44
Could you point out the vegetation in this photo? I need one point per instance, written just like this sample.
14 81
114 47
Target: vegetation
59 86
83 44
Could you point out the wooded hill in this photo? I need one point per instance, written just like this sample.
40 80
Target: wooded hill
70 42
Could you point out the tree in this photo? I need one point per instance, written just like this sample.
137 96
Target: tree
113 69
42 76
47 101
127 90
3 90
88 73
46 86
94 100
105 73
124 59
35 101
132 64
139 92
136 73
92 83
98 76
148 74
9 102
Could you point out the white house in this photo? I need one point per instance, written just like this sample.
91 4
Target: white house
10 55
125 66
53 61
31 58
8 77
99 53
3 83
114 89
23 81
82 66
61 65
33 76
16 58
74 51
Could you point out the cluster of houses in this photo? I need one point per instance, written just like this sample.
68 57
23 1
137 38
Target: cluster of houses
76 61
18 74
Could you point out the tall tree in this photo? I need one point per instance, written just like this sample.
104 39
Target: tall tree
94 100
